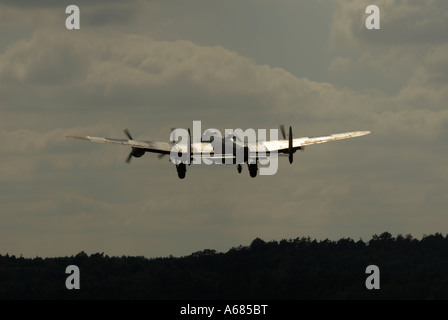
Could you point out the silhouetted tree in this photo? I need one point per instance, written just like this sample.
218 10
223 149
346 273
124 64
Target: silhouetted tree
300 268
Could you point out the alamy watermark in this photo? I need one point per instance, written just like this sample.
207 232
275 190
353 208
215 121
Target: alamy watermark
73 21
373 21
73 280
372 281
234 147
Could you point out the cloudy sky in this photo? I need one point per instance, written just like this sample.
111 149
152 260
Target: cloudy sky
152 65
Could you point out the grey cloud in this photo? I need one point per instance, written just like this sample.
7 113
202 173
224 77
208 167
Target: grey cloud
434 69
53 3
108 78
94 15
412 33
42 60
108 75
113 77
402 23
62 196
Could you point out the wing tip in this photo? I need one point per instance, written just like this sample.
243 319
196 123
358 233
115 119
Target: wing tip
360 133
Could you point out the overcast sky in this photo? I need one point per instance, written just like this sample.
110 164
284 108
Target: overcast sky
152 65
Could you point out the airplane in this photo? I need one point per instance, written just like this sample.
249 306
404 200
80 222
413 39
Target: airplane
205 149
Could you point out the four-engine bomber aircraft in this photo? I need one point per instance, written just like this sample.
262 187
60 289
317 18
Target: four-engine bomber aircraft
205 149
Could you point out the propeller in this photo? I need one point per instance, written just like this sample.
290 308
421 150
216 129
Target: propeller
126 132
190 143
290 144
135 152
282 129
290 149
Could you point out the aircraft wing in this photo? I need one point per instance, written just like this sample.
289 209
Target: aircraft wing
278 145
283 145
157 147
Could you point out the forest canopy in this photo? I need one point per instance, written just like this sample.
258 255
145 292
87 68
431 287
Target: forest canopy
301 268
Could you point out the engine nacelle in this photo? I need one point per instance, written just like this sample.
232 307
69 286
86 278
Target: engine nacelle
136 152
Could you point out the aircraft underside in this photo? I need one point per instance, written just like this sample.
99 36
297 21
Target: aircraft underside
253 169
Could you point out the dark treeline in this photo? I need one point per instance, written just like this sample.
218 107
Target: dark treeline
299 268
